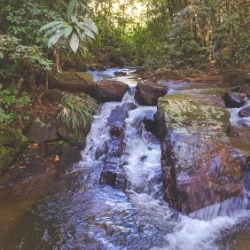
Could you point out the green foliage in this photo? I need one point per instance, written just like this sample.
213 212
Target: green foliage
76 112
31 58
73 29
25 61
22 19
182 49
150 42
11 105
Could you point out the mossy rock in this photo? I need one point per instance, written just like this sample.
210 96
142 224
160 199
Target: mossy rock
7 156
39 131
196 152
13 138
75 138
193 112
73 82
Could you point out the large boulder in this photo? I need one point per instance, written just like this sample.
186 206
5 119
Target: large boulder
200 167
147 93
110 90
12 142
73 82
245 112
233 100
40 131
75 138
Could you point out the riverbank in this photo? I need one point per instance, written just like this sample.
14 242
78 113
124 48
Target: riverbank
49 151
96 197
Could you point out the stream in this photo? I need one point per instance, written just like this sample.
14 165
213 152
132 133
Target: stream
80 213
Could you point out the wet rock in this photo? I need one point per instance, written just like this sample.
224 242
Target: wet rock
40 131
233 100
200 167
247 164
12 142
246 89
114 147
100 152
245 112
73 82
147 93
109 90
114 176
151 125
7 156
117 119
120 73
70 155
75 138
113 172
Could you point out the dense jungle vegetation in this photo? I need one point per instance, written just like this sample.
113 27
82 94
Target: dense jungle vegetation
194 35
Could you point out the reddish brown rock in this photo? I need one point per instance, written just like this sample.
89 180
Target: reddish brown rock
109 90
200 167
147 93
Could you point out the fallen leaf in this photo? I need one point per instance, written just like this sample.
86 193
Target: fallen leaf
56 158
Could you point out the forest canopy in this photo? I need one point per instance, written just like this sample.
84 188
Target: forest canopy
153 33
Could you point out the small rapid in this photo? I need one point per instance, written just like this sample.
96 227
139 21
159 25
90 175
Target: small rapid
81 213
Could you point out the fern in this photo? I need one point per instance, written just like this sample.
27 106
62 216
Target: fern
76 112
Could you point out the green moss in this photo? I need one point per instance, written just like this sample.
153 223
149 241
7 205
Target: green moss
7 155
13 138
84 76
67 76
193 112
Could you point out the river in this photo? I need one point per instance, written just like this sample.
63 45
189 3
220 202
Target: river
80 213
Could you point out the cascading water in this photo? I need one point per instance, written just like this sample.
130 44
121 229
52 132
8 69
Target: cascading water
82 214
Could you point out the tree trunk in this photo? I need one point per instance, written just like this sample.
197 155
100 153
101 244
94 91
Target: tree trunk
57 61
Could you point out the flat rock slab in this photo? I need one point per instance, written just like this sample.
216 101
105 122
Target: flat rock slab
200 167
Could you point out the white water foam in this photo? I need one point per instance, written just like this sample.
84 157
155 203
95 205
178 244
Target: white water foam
109 74
201 229
236 120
